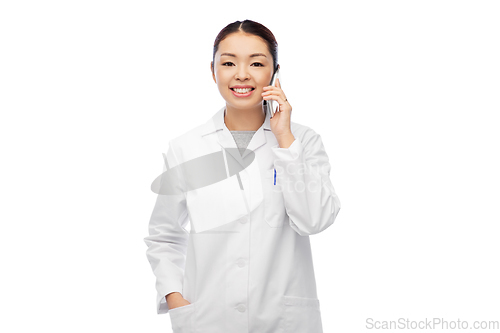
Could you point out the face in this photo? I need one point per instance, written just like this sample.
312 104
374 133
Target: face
242 60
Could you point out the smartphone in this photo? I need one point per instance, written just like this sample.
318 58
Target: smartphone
270 103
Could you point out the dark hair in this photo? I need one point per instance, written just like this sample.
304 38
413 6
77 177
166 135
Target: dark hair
249 27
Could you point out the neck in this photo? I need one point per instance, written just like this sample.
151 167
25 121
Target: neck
244 119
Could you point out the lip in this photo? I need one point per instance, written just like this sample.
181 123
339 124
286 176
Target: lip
242 87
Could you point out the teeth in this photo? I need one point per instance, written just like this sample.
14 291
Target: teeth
242 91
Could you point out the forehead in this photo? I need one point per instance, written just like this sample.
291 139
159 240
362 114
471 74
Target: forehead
243 45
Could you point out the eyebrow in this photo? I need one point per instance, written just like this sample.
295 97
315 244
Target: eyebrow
252 55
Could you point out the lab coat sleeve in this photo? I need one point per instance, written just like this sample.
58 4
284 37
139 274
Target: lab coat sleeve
303 172
167 240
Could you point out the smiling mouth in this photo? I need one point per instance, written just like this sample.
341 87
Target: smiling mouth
242 91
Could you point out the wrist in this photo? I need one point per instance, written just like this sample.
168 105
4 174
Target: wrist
173 295
285 140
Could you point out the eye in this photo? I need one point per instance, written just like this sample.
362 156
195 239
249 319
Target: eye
260 65
224 64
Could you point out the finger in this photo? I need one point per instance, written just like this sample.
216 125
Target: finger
269 88
278 83
274 93
280 99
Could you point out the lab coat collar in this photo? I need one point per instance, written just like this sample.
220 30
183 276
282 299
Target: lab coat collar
225 138
217 122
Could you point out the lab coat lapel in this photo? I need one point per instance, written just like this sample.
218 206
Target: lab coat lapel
226 140
258 140
226 201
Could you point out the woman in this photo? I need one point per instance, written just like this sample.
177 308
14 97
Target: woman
246 265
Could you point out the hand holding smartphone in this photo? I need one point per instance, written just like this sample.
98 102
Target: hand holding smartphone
270 102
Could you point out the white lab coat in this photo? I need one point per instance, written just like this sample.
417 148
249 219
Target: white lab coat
246 264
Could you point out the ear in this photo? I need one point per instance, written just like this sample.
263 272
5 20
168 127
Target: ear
212 69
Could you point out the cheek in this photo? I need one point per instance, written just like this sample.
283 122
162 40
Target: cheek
264 81
223 80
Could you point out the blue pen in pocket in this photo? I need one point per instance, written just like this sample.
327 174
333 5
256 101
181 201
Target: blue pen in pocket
274 176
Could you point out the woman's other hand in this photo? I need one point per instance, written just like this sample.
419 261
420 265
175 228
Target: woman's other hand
175 300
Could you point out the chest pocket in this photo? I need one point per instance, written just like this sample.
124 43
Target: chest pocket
274 204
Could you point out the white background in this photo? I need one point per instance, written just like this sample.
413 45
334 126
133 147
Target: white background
405 95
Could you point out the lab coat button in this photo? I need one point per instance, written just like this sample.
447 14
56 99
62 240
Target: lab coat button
244 220
241 262
241 308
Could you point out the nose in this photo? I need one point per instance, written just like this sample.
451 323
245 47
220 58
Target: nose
242 74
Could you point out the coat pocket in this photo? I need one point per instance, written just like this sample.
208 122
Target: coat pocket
182 318
274 203
302 315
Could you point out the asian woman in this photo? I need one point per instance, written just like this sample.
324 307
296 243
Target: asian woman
255 187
